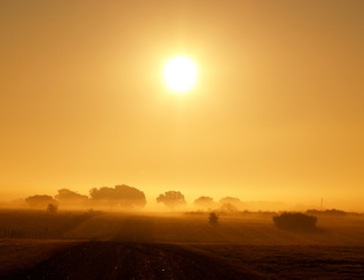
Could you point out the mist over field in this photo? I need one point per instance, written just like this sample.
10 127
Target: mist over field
194 139
126 198
112 234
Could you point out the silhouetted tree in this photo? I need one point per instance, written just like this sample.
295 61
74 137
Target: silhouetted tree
228 208
172 199
120 195
295 221
71 198
213 218
204 202
52 208
231 200
40 201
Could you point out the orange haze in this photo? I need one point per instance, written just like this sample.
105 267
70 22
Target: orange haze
277 114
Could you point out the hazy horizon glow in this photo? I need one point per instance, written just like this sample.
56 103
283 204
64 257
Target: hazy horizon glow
276 115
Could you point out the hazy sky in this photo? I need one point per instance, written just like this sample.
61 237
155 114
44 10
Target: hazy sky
277 114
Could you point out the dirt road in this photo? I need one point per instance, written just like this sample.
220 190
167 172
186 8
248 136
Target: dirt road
118 260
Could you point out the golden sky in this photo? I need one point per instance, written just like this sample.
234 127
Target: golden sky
277 113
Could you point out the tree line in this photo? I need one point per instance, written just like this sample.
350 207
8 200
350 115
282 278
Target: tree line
124 196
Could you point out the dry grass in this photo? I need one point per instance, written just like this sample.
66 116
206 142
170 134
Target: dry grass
293 262
18 254
38 224
240 229
249 242
245 229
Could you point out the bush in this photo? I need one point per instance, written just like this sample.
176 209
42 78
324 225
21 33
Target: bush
295 221
52 208
213 218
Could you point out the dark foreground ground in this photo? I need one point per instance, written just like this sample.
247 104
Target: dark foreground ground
117 260
114 246
111 260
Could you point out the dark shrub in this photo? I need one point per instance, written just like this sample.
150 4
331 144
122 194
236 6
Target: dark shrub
295 221
213 218
52 208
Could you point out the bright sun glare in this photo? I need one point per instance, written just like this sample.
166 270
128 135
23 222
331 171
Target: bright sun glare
180 74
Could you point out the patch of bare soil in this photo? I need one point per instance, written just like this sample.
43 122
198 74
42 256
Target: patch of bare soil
294 262
16 254
114 260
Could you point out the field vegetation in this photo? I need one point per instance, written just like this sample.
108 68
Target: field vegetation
181 245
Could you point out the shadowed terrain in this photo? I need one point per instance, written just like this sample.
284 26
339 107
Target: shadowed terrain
121 246
115 260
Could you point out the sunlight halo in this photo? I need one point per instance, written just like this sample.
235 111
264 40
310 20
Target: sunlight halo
180 74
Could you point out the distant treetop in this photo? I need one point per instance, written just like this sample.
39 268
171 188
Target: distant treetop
204 202
40 200
120 195
172 199
68 196
231 200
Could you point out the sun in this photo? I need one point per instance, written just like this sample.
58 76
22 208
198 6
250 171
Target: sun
180 74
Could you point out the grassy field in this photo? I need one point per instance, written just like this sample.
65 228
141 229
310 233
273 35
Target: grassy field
248 229
39 224
244 244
